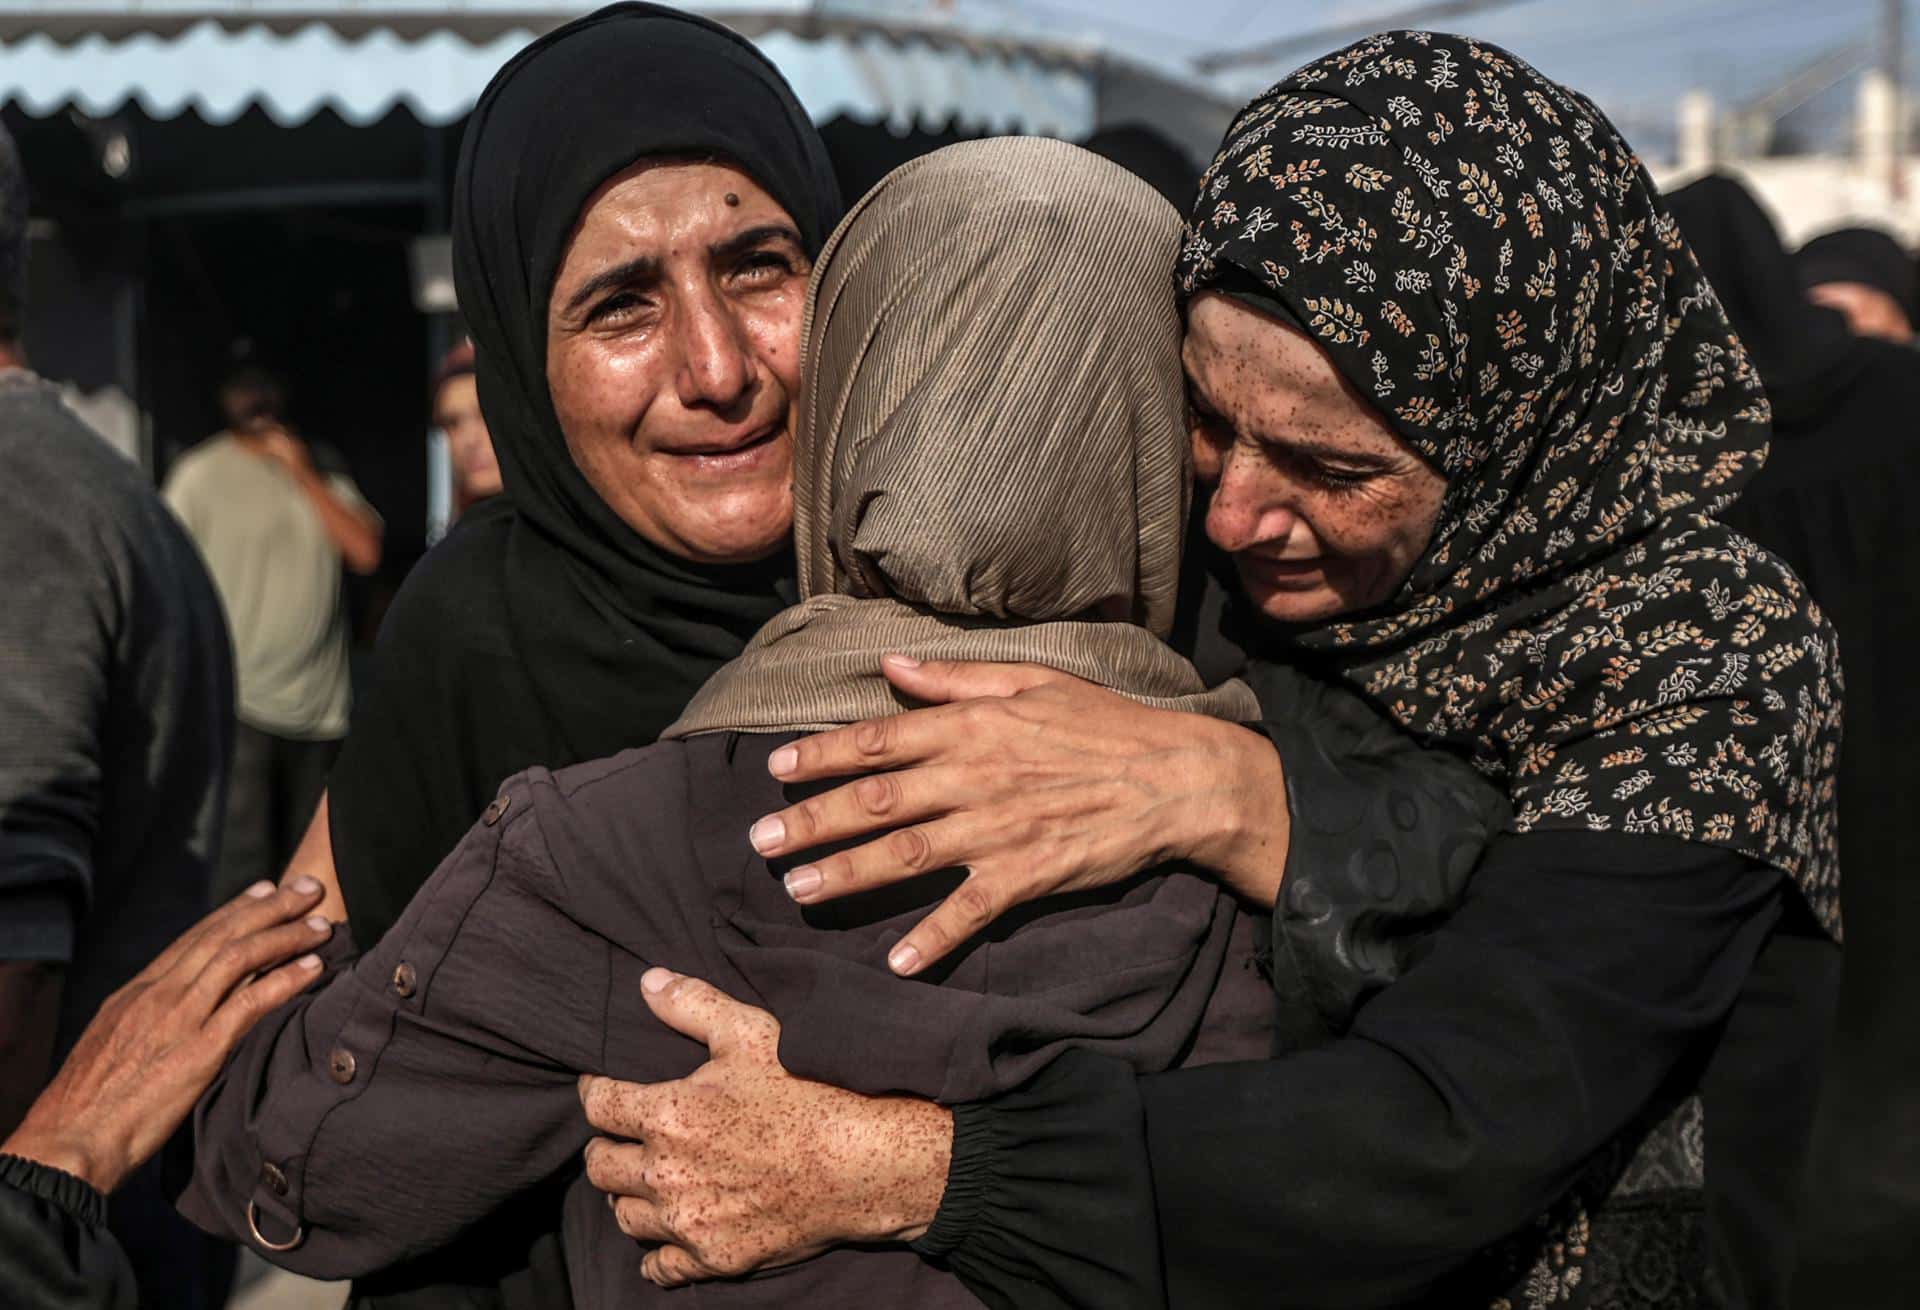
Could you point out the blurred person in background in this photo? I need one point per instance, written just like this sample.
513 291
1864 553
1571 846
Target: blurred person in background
116 712
275 521
456 412
132 1077
1865 274
1836 500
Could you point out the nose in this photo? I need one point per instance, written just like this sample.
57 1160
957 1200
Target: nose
716 360
1248 508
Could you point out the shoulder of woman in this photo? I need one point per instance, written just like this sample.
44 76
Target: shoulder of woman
455 597
1694 590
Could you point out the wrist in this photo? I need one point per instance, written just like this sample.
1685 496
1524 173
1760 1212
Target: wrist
67 1153
917 1139
1247 828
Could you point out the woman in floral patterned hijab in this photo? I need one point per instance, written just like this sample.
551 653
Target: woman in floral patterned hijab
1485 261
1468 408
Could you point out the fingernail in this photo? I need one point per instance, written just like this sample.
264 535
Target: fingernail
259 889
782 761
803 882
654 981
767 835
308 962
900 661
304 885
904 959
320 923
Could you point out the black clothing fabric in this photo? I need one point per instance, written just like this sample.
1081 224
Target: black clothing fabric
571 635
1835 500
115 711
116 717
1760 1091
1483 258
1581 973
276 784
55 1250
1805 357
1861 254
1150 156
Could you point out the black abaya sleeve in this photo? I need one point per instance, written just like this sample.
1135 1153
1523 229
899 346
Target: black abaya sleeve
55 1250
1529 1030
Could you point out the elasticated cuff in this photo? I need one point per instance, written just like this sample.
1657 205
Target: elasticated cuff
57 1187
971 1176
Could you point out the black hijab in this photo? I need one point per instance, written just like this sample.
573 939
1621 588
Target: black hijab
1480 253
1861 254
615 633
545 630
1804 353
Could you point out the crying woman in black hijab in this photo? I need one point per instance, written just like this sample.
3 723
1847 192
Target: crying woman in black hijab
637 208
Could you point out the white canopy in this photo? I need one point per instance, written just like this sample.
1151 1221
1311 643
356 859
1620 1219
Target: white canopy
361 59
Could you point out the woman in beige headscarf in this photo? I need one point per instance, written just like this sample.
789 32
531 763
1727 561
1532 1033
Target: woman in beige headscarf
991 465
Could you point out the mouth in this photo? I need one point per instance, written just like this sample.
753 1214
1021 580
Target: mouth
734 454
1284 573
730 445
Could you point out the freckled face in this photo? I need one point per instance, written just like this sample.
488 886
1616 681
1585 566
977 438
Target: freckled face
1324 508
673 356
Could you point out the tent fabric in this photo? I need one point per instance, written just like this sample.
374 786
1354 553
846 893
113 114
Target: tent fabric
220 70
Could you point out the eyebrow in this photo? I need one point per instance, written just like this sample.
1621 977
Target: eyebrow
646 268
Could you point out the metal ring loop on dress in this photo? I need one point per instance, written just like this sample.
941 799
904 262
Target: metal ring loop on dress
253 1222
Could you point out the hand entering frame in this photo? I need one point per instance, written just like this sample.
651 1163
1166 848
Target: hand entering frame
157 1043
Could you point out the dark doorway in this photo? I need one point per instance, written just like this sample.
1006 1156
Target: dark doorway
323 298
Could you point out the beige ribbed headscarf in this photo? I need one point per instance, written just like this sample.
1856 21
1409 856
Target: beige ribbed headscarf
991 458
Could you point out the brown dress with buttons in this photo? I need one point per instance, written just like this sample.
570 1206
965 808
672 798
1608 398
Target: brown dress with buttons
432 1080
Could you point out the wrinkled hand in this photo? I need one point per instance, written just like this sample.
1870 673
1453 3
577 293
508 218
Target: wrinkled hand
742 1166
1034 781
158 1042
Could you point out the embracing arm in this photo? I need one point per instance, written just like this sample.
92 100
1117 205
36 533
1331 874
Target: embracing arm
448 1052
1531 1029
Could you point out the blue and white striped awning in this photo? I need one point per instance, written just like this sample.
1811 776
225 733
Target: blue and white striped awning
219 67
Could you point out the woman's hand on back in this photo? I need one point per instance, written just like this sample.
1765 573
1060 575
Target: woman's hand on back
1034 781
742 1166
158 1042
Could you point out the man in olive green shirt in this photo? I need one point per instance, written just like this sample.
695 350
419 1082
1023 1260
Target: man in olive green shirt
275 530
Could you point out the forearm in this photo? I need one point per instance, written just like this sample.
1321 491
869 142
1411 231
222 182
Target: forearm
354 533
1467 1097
314 858
1238 820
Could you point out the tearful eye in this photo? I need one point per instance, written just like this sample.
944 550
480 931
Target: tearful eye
620 305
766 266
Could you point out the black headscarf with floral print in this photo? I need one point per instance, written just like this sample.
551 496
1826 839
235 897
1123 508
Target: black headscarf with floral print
1481 254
